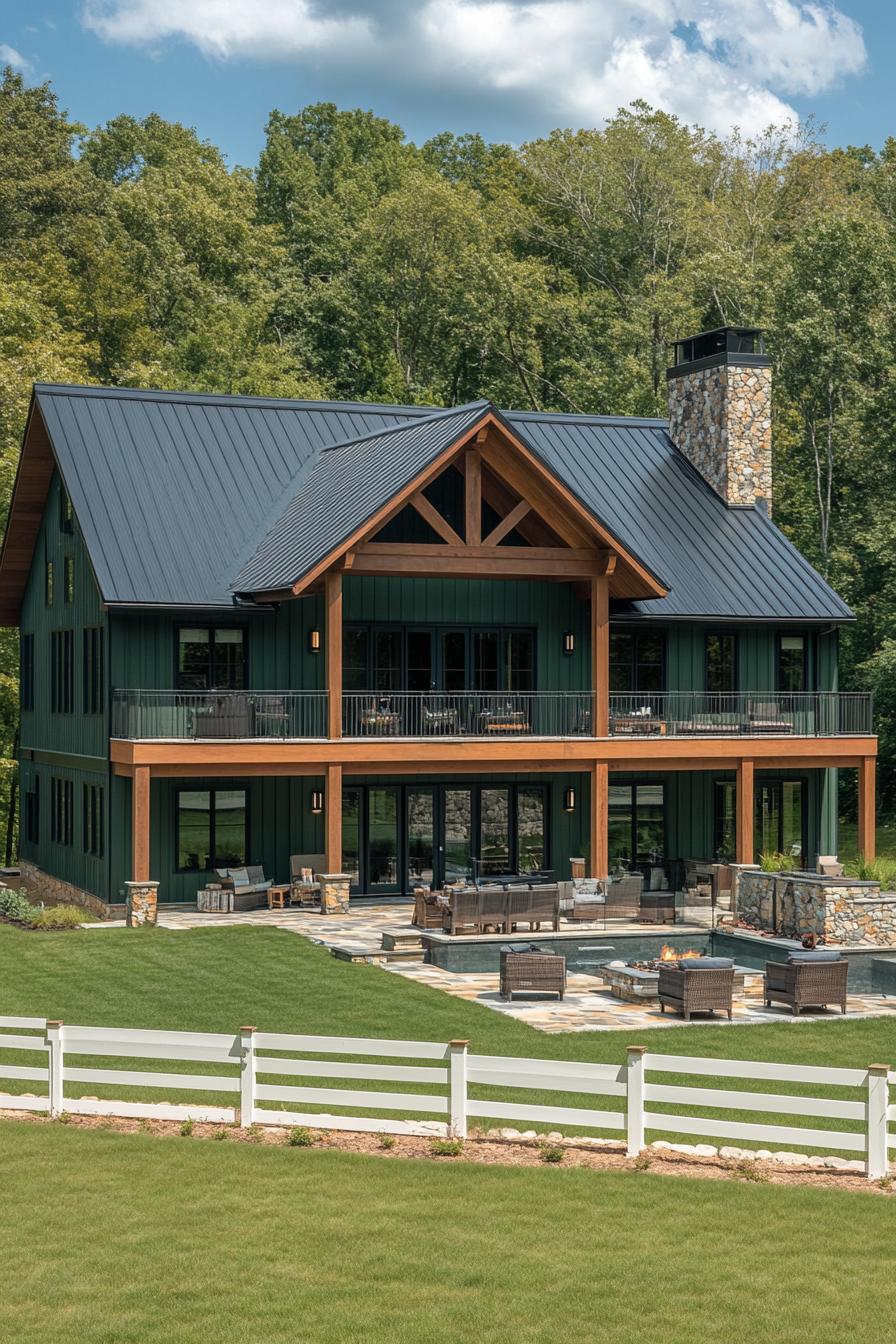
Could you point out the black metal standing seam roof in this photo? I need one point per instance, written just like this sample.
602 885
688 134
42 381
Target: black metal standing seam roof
346 486
188 499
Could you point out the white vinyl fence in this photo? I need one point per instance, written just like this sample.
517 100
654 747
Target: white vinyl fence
447 1072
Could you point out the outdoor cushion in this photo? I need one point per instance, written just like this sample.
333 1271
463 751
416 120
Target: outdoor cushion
520 947
240 877
823 954
256 872
706 963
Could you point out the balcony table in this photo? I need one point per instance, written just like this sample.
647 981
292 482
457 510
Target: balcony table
632 724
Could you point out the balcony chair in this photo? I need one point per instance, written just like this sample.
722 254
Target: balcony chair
225 714
271 716
765 716
807 979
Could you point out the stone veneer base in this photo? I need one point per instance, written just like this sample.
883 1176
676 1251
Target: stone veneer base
55 888
844 911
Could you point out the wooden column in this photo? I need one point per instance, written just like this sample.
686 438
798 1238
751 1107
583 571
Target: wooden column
600 862
600 654
140 824
333 807
744 804
867 837
333 601
473 497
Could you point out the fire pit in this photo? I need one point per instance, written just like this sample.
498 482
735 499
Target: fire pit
635 981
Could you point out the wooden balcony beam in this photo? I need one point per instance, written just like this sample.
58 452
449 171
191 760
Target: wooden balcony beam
476 562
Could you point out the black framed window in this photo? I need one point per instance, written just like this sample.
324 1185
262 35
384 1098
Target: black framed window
62 671
66 512
212 828
68 580
62 795
636 826
637 661
211 658
92 669
32 811
49 584
94 820
394 658
792 663
27 672
725 820
721 661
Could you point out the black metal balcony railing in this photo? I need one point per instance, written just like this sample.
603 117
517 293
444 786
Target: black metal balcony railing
185 715
742 713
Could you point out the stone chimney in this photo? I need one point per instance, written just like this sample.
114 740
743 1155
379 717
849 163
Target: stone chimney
720 412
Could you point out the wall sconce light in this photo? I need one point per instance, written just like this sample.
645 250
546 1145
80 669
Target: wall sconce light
317 801
569 800
314 641
569 642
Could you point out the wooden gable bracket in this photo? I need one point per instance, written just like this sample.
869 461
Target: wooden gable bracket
507 524
431 515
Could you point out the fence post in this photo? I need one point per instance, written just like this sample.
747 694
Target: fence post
54 1065
457 1126
634 1099
247 1076
878 1164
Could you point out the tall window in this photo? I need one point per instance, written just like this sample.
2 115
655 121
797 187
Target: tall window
62 698
92 660
721 662
725 820
636 824
389 658
48 584
27 677
32 811
637 661
792 663
211 829
211 658
94 828
66 512
62 794
68 580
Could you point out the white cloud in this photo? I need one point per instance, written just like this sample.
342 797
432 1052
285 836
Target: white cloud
718 62
9 56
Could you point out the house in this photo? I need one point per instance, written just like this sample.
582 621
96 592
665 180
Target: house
421 642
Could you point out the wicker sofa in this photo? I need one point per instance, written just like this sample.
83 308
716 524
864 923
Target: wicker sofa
688 987
493 908
248 885
807 980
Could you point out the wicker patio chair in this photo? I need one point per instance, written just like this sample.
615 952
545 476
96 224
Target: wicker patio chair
696 989
588 901
492 909
624 897
531 972
428 908
461 911
806 984
536 905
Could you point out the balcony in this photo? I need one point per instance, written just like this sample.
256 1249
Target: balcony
302 715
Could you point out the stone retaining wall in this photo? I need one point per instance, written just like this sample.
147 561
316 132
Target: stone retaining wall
47 887
840 910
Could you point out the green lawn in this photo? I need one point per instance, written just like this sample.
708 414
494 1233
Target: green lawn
220 979
122 1239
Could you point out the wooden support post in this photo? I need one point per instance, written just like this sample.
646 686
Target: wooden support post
140 824
333 805
744 804
600 862
333 597
600 654
473 497
867 808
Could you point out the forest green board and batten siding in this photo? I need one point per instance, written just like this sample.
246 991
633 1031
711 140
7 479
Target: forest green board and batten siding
75 746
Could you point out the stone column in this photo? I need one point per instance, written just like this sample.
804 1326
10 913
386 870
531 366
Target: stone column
334 893
142 903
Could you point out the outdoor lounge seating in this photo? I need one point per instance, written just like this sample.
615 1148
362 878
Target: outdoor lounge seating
764 716
697 985
807 980
428 908
529 969
248 885
305 890
225 715
494 908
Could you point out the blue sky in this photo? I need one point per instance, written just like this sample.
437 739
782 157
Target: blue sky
512 69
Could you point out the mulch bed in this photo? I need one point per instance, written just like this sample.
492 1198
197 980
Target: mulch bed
483 1152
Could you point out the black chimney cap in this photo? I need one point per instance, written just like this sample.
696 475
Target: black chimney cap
724 345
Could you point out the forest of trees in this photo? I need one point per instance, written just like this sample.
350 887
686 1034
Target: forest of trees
352 263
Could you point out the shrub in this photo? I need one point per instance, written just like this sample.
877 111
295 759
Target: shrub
58 917
186 1129
387 1141
643 1162
300 1137
551 1152
446 1147
15 905
774 862
254 1133
873 870
220 1134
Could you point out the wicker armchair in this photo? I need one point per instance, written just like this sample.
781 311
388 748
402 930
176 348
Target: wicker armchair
695 990
532 972
806 984
492 910
534 906
624 897
428 908
461 911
